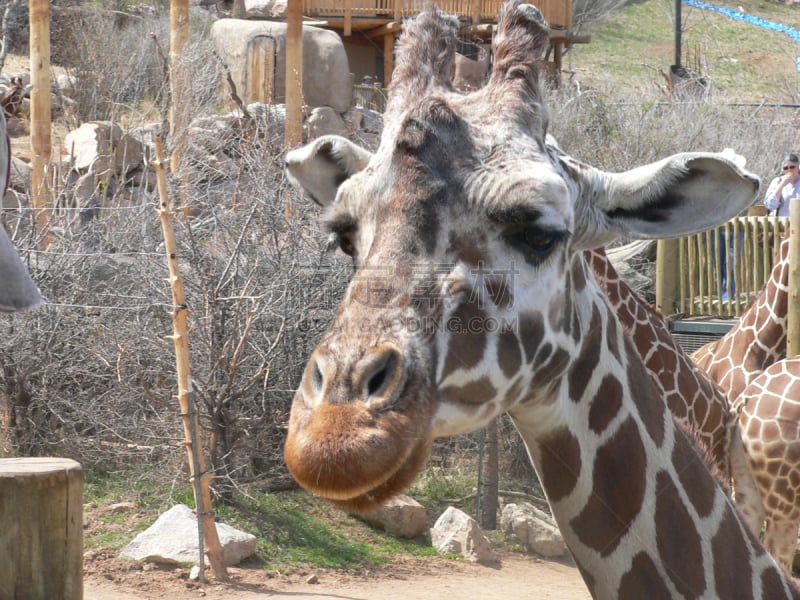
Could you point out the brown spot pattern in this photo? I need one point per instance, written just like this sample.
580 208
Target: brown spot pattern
643 581
560 463
531 333
475 392
618 481
651 410
551 371
693 474
467 345
606 404
509 355
732 560
678 541
587 361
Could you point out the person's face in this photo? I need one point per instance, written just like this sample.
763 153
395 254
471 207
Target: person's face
790 170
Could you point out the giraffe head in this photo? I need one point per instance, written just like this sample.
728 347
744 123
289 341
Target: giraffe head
469 296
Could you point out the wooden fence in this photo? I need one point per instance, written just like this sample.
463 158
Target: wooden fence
719 271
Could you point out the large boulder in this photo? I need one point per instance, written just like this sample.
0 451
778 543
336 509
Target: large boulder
266 9
326 70
103 147
455 532
401 515
535 529
172 539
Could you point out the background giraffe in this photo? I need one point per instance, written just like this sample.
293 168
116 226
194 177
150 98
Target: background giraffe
757 339
764 390
465 217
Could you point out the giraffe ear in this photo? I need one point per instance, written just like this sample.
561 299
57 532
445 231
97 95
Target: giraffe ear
320 167
677 196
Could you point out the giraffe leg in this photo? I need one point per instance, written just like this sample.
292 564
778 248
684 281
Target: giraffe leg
780 540
746 493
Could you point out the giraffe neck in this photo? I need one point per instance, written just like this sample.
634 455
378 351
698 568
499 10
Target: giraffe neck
636 504
758 339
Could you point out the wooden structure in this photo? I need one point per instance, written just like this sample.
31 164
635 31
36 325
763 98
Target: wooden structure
717 272
41 528
381 21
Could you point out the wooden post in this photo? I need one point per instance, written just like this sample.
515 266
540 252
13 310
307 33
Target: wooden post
178 36
666 276
793 318
388 58
200 478
39 24
41 528
294 74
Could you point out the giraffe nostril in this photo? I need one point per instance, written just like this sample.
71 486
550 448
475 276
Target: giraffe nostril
317 378
381 375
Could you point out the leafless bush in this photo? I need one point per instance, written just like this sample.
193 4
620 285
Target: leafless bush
590 13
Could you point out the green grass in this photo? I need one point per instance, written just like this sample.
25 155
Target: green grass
629 51
294 529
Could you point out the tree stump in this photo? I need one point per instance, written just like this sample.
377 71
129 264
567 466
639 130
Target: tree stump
41 528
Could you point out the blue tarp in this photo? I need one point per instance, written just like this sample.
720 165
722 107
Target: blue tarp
740 16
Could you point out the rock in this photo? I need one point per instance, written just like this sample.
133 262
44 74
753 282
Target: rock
326 69
265 9
20 175
102 146
401 515
535 529
173 539
312 579
455 532
194 573
323 120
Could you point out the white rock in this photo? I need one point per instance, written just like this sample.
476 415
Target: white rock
455 532
173 539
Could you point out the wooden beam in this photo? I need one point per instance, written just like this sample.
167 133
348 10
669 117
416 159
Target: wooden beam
388 59
392 28
294 74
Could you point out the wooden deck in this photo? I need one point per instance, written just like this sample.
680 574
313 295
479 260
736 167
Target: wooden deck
363 14
378 20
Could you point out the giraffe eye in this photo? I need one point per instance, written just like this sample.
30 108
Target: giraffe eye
346 245
533 240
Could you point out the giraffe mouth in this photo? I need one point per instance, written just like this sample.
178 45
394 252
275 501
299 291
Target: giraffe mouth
355 457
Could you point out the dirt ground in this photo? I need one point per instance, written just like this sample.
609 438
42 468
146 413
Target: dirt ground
514 578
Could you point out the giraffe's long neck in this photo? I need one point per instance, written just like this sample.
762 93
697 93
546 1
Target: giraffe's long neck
688 392
636 504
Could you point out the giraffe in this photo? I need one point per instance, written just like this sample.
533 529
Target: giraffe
471 297
769 410
748 363
757 340
690 395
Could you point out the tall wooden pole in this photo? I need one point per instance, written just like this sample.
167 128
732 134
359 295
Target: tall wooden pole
39 24
793 318
294 74
178 115
201 479
666 276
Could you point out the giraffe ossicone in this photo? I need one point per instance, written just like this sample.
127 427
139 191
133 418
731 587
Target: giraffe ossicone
471 297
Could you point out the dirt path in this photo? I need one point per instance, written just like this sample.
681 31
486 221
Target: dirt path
515 578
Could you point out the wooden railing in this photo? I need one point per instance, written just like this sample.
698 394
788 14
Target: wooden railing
719 271
557 12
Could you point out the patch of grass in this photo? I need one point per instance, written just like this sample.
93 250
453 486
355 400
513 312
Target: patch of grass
629 51
296 529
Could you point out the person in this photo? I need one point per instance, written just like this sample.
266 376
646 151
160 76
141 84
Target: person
784 187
